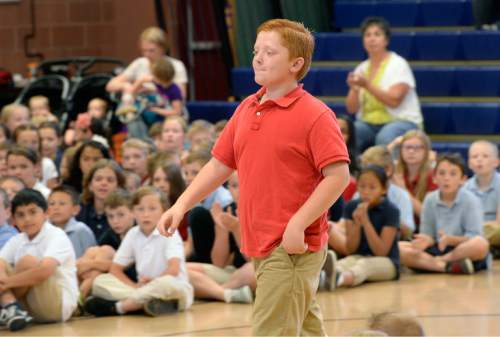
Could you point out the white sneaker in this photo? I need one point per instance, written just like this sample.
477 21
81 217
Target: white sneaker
240 295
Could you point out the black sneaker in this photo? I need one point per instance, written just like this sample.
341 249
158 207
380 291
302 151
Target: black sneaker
14 318
463 266
99 306
160 307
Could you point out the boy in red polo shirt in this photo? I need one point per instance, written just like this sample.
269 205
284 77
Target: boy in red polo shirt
292 166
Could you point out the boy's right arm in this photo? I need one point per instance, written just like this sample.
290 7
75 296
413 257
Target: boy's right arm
211 176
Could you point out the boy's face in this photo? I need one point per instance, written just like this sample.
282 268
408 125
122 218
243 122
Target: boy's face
29 219
448 177
96 109
120 219
29 139
201 137
271 61
22 168
103 182
148 212
151 51
160 181
20 116
172 135
61 208
135 160
482 159
190 171
50 142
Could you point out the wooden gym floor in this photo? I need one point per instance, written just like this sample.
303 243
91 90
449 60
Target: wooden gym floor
446 305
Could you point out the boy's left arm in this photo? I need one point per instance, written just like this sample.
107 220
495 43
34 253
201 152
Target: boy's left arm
336 178
173 267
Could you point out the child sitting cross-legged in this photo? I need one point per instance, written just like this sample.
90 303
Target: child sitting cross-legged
37 267
97 260
451 225
372 232
163 285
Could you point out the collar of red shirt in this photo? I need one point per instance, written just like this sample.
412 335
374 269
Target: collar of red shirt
284 101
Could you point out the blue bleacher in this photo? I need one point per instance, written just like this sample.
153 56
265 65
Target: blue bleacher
414 46
404 13
439 118
431 81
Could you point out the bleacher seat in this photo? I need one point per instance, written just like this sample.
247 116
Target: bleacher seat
431 81
481 45
439 118
404 13
437 46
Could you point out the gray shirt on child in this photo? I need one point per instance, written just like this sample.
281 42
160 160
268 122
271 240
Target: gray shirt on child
463 218
490 198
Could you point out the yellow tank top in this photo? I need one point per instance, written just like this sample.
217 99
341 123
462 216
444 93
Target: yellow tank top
374 111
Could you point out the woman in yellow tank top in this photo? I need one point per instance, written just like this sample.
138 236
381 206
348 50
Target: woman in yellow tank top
381 90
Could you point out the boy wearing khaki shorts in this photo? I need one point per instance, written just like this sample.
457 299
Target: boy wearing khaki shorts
37 267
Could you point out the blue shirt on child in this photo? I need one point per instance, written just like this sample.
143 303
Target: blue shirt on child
490 198
381 215
6 232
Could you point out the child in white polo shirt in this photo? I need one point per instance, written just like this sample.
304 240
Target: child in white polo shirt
37 267
163 285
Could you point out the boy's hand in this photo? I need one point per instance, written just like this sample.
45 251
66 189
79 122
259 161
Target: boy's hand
443 241
143 281
421 241
293 240
170 220
229 221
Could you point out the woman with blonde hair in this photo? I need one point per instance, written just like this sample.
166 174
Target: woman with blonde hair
153 45
414 168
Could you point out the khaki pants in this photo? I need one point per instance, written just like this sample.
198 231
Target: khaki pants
165 288
43 301
492 233
368 268
219 275
285 303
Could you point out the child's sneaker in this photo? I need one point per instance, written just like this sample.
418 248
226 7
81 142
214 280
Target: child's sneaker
240 295
158 307
463 266
14 317
100 307
330 269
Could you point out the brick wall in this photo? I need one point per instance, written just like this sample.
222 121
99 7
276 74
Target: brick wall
73 28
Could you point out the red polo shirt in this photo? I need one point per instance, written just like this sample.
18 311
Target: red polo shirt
279 149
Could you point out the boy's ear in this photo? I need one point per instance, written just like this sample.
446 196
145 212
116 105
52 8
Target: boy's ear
297 65
76 209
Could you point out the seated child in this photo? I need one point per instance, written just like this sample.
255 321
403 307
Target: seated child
25 164
451 225
372 228
63 207
163 285
37 267
6 230
230 277
97 260
485 184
